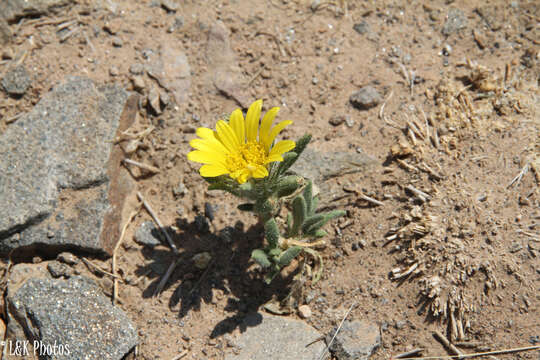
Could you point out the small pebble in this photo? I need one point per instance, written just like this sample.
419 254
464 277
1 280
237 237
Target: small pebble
117 42
138 83
113 71
58 269
67 258
202 260
136 69
304 311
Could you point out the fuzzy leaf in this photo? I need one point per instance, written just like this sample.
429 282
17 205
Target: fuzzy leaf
288 185
261 258
289 224
299 214
320 233
289 158
271 232
311 220
270 276
308 192
288 255
245 207
310 230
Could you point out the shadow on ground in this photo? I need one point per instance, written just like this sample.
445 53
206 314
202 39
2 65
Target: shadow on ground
230 270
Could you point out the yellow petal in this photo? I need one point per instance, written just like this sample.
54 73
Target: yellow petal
244 176
266 124
208 145
238 124
227 136
275 131
273 158
252 120
204 157
212 170
205 133
260 172
282 147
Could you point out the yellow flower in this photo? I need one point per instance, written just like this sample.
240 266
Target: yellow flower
234 148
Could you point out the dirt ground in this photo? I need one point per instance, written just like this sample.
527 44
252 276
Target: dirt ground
459 122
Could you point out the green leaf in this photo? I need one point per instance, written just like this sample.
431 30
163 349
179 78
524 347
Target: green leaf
218 186
310 230
275 252
311 220
302 143
288 255
261 258
289 224
308 192
289 158
270 276
320 233
288 185
271 233
245 207
299 214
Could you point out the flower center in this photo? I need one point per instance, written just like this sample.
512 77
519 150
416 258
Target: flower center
248 156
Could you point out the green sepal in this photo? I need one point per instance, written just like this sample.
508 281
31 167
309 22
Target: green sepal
288 185
299 214
271 233
261 258
288 255
245 207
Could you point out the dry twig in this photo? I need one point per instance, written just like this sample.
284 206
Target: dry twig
116 247
150 168
337 331
158 222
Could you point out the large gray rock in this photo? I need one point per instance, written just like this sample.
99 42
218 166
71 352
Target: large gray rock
61 181
73 314
12 10
320 166
356 340
171 69
5 32
226 75
275 337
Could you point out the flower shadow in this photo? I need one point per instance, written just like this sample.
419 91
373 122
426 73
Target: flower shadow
230 275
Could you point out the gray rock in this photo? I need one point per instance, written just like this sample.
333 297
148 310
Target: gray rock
356 340
365 98
5 32
226 76
321 166
67 258
58 269
16 81
455 21
13 10
72 313
276 337
171 70
136 69
65 144
170 5
361 27
146 234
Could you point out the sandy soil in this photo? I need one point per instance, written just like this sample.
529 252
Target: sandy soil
459 122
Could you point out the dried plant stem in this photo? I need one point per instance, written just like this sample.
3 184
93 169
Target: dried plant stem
150 168
408 353
337 331
166 277
451 348
181 355
158 222
116 247
487 353
99 269
370 199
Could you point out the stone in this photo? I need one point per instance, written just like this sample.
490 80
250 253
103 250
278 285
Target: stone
337 120
304 311
117 42
356 340
226 76
365 98
136 69
58 269
153 100
67 258
202 260
147 234
455 21
171 70
59 166
113 71
13 10
5 32
276 337
16 81
170 5
138 82
361 27
71 313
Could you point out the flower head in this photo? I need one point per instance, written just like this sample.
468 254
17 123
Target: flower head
235 149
